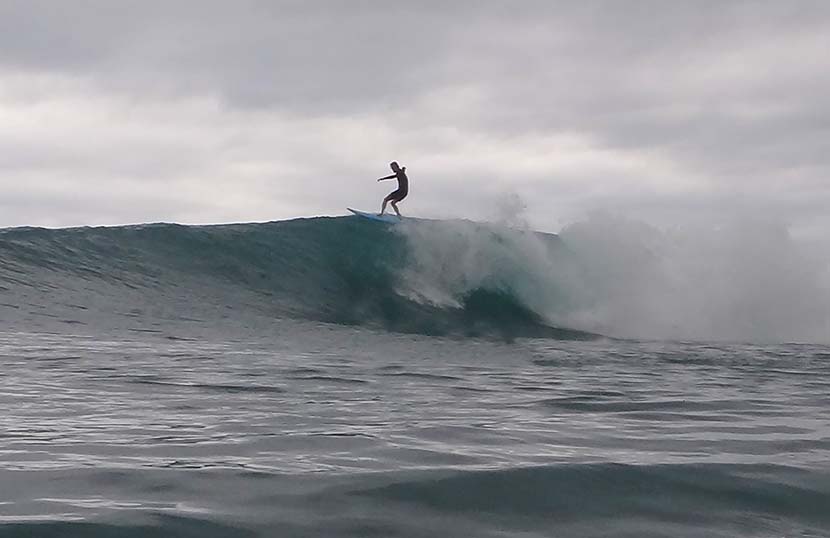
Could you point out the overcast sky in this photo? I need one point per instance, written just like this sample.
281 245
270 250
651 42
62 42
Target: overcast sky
204 111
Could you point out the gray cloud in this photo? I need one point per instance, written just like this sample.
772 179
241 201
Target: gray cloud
212 111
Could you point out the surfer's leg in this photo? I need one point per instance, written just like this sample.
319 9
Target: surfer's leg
393 197
395 207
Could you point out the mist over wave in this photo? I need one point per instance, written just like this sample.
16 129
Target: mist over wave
746 280
616 276
604 275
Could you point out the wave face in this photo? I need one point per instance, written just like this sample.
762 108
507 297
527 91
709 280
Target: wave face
430 277
338 270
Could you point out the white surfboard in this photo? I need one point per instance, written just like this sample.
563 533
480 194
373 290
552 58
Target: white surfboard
391 219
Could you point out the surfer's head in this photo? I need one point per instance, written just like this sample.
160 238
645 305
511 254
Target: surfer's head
394 166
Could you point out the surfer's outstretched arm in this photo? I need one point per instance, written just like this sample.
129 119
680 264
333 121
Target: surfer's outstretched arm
388 177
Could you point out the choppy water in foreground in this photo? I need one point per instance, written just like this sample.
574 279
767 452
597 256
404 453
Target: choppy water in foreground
315 430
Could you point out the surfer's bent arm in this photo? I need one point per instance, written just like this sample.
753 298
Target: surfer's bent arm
388 177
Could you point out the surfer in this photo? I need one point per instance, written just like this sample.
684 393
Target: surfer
401 192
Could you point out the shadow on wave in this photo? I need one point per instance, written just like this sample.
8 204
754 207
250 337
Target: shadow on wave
162 525
685 494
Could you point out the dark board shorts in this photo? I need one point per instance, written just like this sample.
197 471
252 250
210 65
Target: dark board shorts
397 195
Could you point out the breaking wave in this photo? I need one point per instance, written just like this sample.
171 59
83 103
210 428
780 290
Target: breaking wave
604 276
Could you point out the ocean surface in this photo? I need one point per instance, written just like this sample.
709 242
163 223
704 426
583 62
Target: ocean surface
334 377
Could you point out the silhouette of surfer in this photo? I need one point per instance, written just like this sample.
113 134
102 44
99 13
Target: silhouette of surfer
401 192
